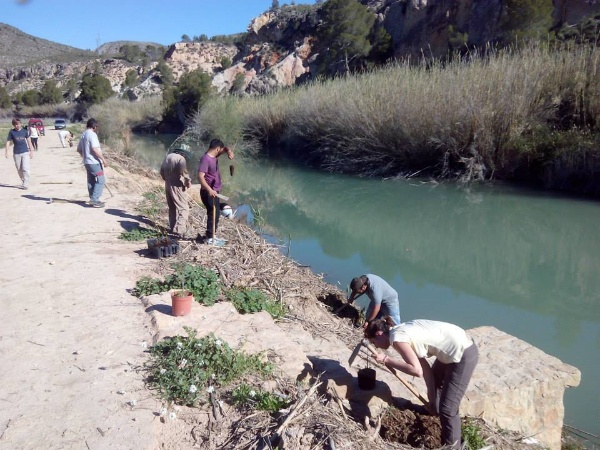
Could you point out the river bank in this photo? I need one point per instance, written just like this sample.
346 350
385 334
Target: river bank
77 337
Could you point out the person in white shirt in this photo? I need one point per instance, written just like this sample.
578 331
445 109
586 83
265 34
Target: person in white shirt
66 137
93 160
33 136
447 379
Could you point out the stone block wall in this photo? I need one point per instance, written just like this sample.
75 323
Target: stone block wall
517 386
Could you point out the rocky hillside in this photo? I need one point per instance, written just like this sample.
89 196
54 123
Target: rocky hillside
111 48
280 48
18 48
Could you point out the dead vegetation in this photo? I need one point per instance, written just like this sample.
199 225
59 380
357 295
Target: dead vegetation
316 419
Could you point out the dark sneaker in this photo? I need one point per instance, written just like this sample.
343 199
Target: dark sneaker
24 187
96 204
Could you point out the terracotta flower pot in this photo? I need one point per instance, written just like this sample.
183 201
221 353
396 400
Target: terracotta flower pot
181 302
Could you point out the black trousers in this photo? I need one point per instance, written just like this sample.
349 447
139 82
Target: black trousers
213 211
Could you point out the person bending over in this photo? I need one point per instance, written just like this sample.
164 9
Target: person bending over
456 356
383 298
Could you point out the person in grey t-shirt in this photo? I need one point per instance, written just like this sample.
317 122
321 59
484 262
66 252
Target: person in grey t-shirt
383 298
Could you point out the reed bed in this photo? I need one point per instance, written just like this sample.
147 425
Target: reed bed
492 115
117 117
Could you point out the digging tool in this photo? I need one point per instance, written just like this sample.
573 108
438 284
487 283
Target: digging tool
214 238
355 353
346 304
365 343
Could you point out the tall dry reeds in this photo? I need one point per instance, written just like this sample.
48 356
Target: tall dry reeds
480 115
117 117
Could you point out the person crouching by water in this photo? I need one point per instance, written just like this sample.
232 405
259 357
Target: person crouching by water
447 379
383 298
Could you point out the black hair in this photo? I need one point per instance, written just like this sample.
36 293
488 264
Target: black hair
358 282
216 143
92 123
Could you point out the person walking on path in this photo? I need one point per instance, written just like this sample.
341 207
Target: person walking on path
66 138
447 379
22 151
210 185
177 180
33 136
94 162
383 298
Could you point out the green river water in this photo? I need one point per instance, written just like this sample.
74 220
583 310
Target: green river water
526 262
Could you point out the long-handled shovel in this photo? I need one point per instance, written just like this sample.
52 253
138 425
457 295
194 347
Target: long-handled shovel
214 238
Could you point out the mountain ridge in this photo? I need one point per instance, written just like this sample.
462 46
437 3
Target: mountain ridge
18 48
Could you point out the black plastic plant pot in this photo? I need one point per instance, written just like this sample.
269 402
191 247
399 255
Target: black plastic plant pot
367 379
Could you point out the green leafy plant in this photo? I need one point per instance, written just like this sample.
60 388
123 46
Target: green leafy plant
184 369
148 286
139 234
152 204
246 395
259 219
248 301
471 435
202 283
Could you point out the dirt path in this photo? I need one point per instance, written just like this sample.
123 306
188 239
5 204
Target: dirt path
70 334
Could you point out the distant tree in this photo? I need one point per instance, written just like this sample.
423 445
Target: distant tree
50 93
131 77
18 98
382 48
169 98
201 38
95 89
345 33
185 38
526 19
131 53
239 83
155 52
274 5
225 62
166 74
31 97
194 89
5 101
71 87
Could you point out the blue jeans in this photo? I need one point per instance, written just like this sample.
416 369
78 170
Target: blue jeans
95 181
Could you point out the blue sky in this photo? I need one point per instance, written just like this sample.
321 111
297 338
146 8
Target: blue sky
86 24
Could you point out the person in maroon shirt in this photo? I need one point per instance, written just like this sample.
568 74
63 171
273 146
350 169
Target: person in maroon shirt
210 185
